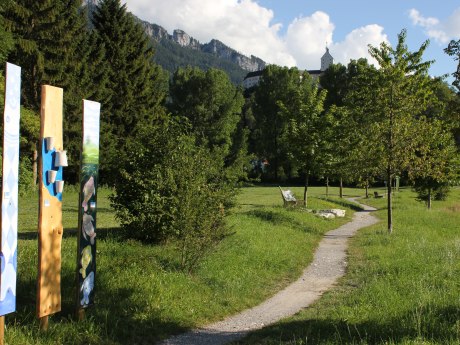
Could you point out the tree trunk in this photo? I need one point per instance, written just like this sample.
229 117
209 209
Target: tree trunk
341 188
305 191
429 199
327 187
389 201
34 168
367 190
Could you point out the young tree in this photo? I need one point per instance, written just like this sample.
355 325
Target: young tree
435 163
172 189
391 100
305 139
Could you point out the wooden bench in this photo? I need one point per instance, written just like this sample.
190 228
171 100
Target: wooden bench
377 195
289 199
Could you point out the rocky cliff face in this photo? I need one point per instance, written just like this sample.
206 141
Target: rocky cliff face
224 52
214 47
184 40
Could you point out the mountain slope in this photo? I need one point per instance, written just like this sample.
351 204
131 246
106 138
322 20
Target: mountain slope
181 50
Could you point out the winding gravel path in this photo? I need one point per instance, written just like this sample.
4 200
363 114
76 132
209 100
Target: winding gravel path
328 265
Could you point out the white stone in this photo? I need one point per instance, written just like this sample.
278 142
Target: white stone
326 215
337 212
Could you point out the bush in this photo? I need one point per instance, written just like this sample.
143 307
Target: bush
172 189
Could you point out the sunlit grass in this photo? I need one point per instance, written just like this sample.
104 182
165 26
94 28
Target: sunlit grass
400 289
142 296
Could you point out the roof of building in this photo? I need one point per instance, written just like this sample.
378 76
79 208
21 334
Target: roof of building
315 71
254 74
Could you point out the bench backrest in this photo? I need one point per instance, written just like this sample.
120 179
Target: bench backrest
287 195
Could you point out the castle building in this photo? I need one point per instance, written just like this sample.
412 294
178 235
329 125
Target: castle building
253 78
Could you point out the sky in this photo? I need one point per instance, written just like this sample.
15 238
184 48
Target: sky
296 32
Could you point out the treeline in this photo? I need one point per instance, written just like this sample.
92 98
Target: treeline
175 148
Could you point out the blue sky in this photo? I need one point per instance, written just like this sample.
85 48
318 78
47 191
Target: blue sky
295 32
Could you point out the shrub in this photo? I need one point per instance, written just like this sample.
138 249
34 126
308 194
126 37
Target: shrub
172 189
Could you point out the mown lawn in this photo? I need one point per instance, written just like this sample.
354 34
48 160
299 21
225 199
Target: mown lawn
142 296
402 288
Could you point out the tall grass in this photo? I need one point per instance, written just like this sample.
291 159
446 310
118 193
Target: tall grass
402 288
142 296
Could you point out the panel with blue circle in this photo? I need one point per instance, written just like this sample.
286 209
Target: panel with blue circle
49 164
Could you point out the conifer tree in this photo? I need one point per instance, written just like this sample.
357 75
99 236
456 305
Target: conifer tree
50 45
135 86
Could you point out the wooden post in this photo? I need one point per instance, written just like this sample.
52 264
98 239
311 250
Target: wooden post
50 228
44 323
80 314
2 330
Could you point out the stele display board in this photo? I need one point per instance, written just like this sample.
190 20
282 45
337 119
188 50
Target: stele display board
50 203
9 215
86 255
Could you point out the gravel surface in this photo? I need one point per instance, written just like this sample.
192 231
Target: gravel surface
328 265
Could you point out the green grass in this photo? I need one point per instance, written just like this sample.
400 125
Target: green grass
142 296
402 288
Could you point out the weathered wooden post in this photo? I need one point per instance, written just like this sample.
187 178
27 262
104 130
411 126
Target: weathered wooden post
50 174
86 248
10 177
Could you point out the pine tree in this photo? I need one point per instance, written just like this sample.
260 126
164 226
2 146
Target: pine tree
51 41
135 86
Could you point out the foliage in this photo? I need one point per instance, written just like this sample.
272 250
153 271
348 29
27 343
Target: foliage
213 108
453 49
279 91
7 41
52 47
172 189
389 100
211 104
305 138
436 162
338 81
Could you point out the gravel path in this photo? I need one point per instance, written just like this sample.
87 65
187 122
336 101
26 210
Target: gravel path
328 265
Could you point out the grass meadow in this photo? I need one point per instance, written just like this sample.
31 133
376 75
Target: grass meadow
142 296
402 288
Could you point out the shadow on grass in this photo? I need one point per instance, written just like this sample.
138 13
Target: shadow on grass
344 203
115 233
119 316
440 328
99 210
270 216
278 218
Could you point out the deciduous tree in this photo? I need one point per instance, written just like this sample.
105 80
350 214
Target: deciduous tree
391 101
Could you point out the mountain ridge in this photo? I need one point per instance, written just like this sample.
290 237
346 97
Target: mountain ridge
215 47
179 49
